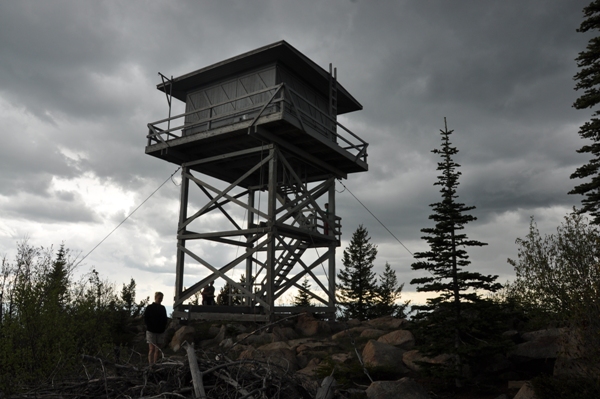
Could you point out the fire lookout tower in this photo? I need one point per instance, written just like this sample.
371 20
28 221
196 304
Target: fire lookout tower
260 148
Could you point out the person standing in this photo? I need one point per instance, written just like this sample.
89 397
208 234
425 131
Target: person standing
208 294
155 318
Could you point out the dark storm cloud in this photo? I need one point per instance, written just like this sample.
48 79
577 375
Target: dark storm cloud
58 207
78 78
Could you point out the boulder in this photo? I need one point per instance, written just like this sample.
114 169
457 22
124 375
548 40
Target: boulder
371 333
316 346
526 392
214 330
185 333
410 359
295 343
405 388
574 359
255 339
284 333
387 323
402 338
537 345
378 354
308 326
543 334
351 332
353 323
216 340
342 357
310 368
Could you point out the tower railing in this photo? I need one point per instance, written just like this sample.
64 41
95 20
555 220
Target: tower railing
310 117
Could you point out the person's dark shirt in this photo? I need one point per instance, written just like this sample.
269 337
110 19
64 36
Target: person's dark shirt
155 318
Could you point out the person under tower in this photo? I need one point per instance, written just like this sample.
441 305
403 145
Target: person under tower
155 318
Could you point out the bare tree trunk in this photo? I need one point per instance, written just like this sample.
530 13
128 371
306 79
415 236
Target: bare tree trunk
196 374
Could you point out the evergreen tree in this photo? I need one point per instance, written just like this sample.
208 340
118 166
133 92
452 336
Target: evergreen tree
447 258
387 294
303 298
357 282
58 278
588 80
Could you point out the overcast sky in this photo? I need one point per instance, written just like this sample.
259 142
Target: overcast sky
78 86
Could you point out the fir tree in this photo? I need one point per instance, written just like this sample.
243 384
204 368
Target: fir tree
588 80
357 282
303 298
58 278
447 258
387 294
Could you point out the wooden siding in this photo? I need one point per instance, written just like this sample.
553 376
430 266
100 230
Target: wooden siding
226 101
308 99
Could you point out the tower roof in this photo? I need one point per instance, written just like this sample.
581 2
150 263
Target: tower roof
279 52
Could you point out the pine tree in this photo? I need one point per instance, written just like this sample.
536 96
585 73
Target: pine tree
447 258
588 79
357 287
388 292
303 298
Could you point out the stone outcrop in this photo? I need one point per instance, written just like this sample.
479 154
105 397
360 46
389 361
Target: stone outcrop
298 348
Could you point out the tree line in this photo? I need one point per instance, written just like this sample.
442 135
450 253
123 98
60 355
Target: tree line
48 318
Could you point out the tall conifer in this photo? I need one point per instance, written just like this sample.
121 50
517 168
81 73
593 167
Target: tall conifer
357 282
588 80
446 259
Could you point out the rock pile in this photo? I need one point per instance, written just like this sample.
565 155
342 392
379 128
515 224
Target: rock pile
309 346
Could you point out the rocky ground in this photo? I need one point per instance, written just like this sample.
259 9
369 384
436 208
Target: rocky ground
305 357
372 359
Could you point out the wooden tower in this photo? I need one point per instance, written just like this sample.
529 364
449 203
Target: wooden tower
260 149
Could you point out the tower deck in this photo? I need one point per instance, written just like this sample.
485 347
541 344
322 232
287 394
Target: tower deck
273 94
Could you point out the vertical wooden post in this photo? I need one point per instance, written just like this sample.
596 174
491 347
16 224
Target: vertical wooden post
272 204
249 262
332 246
183 205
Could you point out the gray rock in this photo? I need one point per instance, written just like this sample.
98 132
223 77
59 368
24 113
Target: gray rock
378 354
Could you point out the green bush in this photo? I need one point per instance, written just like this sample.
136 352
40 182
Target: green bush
47 321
